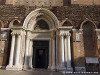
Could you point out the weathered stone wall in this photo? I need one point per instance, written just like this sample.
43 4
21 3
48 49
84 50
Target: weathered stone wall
51 2
77 14
86 2
36 2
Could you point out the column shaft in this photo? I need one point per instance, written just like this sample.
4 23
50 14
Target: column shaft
69 52
30 53
53 52
26 63
62 53
66 51
17 58
12 51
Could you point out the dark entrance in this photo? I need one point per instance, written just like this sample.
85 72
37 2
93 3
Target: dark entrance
40 54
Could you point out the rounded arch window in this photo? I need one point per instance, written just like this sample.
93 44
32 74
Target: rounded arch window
41 25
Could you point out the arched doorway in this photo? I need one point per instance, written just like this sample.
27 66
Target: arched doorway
40 56
40 25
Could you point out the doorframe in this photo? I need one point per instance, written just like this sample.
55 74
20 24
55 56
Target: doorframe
49 54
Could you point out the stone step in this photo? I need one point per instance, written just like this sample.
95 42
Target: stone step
40 72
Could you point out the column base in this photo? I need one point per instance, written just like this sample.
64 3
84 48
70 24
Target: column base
9 67
62 67
80 69
27 67
53 68
69 69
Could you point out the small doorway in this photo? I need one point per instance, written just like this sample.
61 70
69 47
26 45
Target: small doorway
40 54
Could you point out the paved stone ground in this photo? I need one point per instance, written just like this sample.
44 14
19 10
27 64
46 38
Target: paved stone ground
6 72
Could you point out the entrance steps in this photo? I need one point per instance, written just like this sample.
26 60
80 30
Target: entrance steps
40 72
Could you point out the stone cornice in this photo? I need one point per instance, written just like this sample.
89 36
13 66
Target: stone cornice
5 29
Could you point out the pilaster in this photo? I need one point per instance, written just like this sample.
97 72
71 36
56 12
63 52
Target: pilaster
27 56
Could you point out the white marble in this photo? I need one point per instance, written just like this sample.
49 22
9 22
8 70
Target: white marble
30 54
18 46
26 65
62 65
66 51
11 52
53 67
69 51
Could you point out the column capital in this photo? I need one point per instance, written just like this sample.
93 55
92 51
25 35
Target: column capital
53 34
13 34
68 34
62 33
17 32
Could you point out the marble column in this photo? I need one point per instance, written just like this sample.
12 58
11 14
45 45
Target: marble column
12 51
26 62
66 51
30 53
53 52
69 51
62 53
18 46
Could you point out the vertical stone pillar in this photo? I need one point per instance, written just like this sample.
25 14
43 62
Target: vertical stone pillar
30 53
53 52
69 50
17 57
66 51
69 67
26 62
62 65
11 52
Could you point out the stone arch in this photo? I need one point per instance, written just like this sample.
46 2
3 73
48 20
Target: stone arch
14 22
89 38
87 21
67 23
33 17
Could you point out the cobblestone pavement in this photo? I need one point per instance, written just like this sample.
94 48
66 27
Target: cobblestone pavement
6 72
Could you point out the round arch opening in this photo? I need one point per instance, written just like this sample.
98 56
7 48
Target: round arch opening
89 38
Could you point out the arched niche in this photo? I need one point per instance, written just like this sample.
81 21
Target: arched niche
89 38
15 23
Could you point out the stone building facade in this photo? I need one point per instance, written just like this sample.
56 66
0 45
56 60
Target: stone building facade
50 34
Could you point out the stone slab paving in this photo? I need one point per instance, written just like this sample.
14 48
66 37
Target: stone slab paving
6 72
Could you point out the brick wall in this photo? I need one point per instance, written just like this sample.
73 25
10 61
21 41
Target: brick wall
86 2
77 14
